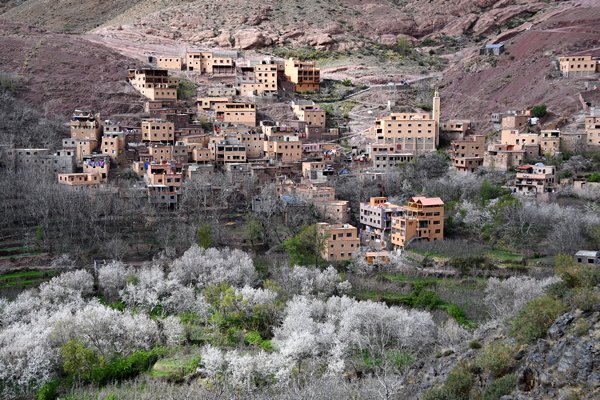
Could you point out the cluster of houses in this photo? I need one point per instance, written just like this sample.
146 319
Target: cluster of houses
384 226
173 143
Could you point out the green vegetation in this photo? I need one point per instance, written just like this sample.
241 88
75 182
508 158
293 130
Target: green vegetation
490 191
186 89
501 387
419 297
204 236
496 358
175 368
594 177
49 391
305 248
532 322
539 111
25 279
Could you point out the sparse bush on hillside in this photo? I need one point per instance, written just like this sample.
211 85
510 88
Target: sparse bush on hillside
501 387
539 111
532 322
496 358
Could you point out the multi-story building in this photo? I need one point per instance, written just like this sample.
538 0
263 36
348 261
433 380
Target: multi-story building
211 62
467 154
155 84
376 222
592 130
85 124
521 141
158 130
573 66
80 179
304 76
501 157
236 113
456 129
169 62
341 241
411 132
41 160
163 152
308 111
164 181
421 219
384 156
257 79
284 148
550 141
228 151
81 147
315 193
534 179
97 164
336 211
113 145
221 91
516 121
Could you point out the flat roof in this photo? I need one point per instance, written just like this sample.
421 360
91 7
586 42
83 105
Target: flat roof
587 253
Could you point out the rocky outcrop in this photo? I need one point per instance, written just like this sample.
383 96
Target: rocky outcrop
566 362
252 39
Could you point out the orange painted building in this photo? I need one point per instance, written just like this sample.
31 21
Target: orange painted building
422 219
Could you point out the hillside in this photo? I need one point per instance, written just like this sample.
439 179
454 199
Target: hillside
340 24
525 74
63 72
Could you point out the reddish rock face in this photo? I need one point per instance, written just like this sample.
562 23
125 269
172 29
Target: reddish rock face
330 25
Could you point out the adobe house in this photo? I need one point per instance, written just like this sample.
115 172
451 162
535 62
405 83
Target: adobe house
421 219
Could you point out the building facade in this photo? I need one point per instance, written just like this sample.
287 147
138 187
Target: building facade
341 241
422 219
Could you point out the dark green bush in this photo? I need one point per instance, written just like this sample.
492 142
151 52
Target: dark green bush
532 322
474 344
460 382
501 387
121 368
49 391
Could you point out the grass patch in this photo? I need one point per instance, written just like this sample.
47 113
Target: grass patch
25 278
175 368
422 296
504 256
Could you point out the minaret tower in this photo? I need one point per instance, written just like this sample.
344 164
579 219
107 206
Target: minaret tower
435 114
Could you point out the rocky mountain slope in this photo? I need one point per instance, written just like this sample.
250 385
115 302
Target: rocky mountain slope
339 24
62 72
527 73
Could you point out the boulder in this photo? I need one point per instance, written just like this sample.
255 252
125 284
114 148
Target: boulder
252 39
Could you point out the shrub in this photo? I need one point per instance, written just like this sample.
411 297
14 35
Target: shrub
594 177
501 387
474 344
535 318
436 394
584 298
576 275
497 358
49 391
459 382
121 368
539 111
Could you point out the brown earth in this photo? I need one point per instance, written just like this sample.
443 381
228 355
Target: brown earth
338 24
527 73
63 72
